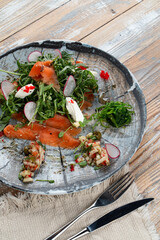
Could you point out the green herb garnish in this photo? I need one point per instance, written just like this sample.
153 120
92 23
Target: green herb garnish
76 156
48 100
61 134
43 146
19 125
82 164
97 168
116 114
41 180
20 177
12 73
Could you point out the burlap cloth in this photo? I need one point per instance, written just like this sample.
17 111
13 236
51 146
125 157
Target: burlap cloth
34 217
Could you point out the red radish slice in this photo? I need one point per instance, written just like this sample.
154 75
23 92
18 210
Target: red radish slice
57 53
29 110
7 87
112 151
32 57
69 86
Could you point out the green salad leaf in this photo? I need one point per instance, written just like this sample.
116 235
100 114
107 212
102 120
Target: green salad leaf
49 101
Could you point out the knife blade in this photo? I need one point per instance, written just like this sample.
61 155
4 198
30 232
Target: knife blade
111 216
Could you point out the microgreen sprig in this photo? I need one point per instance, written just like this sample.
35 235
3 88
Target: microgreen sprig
13 73
41 180
61 134
48 100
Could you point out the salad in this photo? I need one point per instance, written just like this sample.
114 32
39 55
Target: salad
48 97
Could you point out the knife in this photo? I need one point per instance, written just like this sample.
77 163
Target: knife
111 216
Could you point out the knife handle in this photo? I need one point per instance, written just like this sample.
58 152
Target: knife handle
79 234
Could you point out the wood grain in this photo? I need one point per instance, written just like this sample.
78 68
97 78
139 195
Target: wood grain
23 13
145 163
143 62
4 3
72 21
146 69
129 33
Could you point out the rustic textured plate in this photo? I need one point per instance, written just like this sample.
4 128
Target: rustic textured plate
127 139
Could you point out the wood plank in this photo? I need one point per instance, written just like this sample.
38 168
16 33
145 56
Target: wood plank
71 21
150 84
148 185
4 3
144 61
148 74
129 33
146 69
15 15
145 163
148 152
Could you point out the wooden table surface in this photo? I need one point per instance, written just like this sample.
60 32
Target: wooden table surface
127 29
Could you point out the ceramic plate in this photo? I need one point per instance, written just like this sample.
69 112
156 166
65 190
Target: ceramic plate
127 139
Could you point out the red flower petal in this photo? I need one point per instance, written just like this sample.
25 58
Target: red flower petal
71 167
82 67
104 75
18 88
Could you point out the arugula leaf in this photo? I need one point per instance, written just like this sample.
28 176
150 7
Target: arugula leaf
48 100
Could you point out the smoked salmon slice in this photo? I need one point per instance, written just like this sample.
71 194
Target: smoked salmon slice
21 133
19 117
58 121
87 103
44 72
50 137
63 123
46 135
89 96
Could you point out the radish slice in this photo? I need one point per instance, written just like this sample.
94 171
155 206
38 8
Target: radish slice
29 110
7 87
69 86
112 151
32 57
57 53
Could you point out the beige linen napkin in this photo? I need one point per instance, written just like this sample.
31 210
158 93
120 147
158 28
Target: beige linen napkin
30 216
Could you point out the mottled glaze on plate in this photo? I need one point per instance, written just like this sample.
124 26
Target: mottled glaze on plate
127 139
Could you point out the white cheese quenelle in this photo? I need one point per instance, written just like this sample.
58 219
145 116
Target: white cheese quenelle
74 110
95 74
25 91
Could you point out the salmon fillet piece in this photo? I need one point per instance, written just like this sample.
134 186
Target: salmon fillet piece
19 117
44 72
46 135
58 121
62 122
21 133
87 103
89 96
50 137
